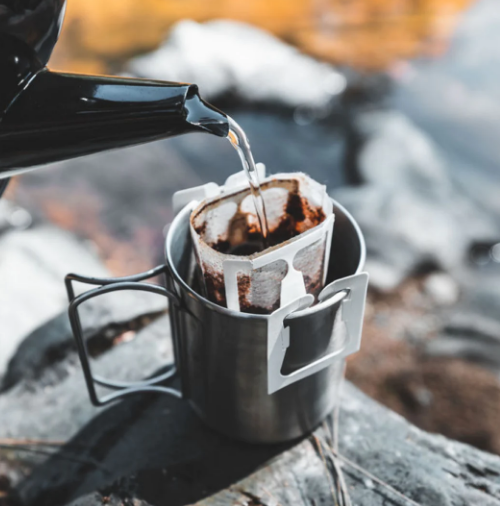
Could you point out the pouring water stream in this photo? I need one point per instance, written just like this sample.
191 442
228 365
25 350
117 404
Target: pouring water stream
239 141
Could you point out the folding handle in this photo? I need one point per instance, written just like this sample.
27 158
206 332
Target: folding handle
108 285
351 291
353 306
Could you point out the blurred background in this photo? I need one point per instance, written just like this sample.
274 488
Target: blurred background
394 104
368 34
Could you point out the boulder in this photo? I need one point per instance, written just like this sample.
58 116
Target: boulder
455 99
412 214
471 329
45 352
33 264
225 57
154 450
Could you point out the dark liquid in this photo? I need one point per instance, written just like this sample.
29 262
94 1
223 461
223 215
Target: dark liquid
239 141
291 224
246 248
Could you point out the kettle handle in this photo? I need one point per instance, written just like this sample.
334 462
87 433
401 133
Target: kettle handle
108 285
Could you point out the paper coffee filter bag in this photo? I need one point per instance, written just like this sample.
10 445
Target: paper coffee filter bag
295 205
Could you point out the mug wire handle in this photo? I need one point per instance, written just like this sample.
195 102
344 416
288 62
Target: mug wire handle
109 285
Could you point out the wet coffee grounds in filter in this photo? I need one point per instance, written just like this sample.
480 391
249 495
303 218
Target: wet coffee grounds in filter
296 212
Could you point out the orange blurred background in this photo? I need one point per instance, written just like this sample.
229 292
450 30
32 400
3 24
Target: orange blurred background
367 34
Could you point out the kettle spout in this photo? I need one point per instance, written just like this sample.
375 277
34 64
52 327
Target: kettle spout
59 116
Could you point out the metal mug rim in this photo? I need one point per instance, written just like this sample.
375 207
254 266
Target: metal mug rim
230 312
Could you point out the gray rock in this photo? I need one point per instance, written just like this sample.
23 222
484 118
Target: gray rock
471 329
44 352
154 450
62 407
411 213
455 98
164 453
397 153
219 56
33 264
391 256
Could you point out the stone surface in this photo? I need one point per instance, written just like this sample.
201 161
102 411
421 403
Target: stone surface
412 214
225 57
33 264
471 328
455 99
416 217
41 357
153 450
61 402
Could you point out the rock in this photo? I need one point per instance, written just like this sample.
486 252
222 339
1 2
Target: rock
42 356
471 329
221 56
412 214
466 345
391 257
456 100
62 405
173 459
33 264
398 153
154 449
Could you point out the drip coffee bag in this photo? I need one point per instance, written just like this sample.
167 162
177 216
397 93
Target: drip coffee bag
245 272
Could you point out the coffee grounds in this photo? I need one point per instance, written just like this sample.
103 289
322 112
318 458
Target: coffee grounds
215 287
245 306
297 212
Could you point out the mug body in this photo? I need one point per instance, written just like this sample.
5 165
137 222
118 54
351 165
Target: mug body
223 354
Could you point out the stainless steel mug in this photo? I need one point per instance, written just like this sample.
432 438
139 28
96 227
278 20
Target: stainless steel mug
257 378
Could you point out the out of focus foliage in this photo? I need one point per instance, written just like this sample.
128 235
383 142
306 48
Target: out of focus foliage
368 34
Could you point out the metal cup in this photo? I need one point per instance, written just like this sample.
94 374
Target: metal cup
257 378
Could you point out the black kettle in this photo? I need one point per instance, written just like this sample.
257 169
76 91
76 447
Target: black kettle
47 116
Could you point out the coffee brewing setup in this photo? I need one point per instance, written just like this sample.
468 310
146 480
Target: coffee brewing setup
264 275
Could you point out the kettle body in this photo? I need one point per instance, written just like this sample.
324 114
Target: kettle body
47 116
